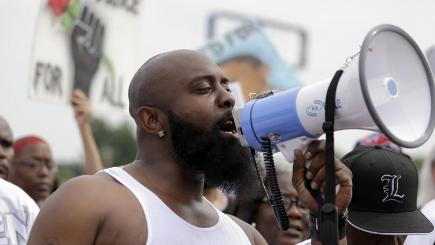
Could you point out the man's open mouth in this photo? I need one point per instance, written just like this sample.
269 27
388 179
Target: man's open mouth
227 125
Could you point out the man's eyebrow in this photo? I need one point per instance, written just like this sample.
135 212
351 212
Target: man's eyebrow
203 77
225 80
210 78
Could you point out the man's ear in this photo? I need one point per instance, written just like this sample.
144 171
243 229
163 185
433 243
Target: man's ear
150 119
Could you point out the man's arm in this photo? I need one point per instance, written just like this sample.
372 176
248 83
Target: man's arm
254 236
71 215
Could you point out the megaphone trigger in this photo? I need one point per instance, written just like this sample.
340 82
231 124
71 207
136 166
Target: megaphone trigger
288 147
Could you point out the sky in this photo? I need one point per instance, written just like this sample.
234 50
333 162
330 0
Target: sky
335 31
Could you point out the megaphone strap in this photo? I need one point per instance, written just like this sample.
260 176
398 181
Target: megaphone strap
328 213
328 127
315 227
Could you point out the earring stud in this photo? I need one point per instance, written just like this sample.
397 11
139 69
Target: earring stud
162 133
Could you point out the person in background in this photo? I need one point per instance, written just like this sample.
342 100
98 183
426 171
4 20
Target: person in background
383 209
426 200
424 239
378 139
256 210
17 210
33 168
17 214
426 188
7 150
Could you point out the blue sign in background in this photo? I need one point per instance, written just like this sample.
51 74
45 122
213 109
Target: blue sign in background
249 40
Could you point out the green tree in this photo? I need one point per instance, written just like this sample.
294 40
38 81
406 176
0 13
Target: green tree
116 144
69 170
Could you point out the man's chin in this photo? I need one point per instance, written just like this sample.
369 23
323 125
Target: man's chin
216 152
4 170
287 239
293 235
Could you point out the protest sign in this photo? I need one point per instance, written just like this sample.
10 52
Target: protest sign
88 45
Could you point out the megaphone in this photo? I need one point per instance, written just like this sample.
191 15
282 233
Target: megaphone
386 87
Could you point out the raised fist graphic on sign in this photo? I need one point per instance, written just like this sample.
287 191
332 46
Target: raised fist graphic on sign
86 46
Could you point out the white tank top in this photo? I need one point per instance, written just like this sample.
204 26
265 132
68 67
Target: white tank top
166 227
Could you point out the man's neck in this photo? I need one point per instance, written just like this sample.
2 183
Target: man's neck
216 197
168 179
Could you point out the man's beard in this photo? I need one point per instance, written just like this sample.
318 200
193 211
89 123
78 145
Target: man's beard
223 161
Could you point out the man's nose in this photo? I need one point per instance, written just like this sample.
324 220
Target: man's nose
225 98
43 171
293 211
2 152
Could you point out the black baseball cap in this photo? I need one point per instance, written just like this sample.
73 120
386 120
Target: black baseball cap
384 194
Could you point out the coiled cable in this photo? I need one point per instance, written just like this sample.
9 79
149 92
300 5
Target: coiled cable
275 197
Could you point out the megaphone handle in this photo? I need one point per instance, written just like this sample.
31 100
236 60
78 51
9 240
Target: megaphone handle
315 193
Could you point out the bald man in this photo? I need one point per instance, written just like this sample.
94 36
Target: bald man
182 106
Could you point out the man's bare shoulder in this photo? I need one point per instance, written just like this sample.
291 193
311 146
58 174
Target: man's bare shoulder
88 193
96 179
74 214
86 186
254 236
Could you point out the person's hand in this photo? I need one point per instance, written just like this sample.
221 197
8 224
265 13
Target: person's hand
316 174
86 46
82 107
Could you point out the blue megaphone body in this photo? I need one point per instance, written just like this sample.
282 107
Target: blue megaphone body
274 117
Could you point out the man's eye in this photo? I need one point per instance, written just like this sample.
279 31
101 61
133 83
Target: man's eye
51 166
6 144
301 205
225 85
32 164
204 90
